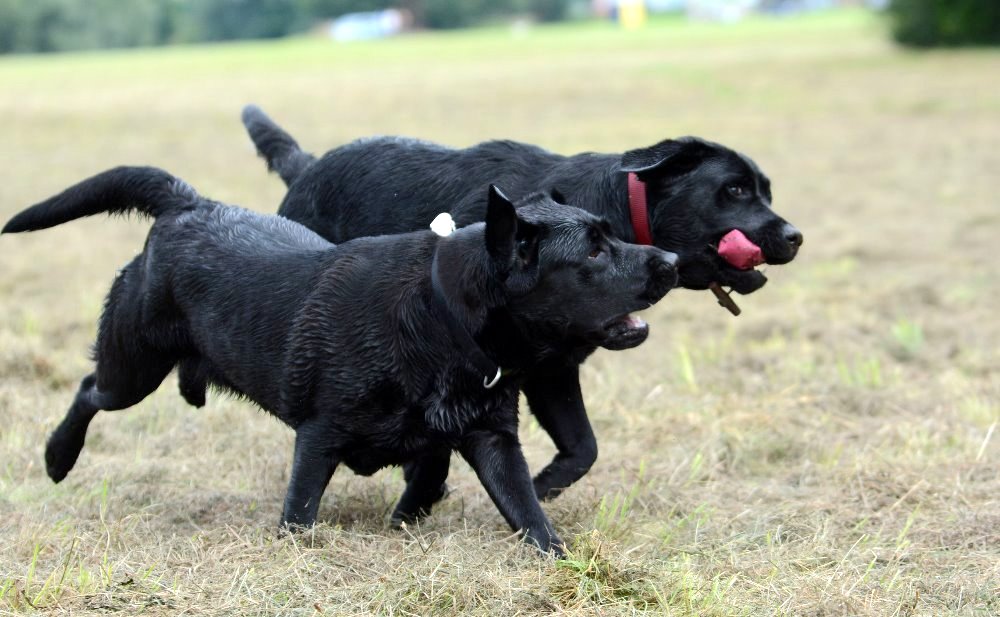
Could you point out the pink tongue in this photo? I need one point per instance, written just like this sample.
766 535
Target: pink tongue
739 251
634 322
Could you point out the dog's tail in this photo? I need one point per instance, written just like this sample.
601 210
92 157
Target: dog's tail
274 145
121 190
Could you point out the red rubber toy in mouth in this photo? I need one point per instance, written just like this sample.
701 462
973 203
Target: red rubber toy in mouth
739 252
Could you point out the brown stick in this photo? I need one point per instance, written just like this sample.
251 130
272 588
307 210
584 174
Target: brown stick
724 299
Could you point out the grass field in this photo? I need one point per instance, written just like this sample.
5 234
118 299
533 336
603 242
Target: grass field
832 451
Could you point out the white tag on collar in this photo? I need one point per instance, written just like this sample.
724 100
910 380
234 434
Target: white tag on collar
443 224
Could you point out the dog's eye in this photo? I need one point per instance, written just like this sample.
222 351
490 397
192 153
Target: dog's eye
524 250
595 252
736 190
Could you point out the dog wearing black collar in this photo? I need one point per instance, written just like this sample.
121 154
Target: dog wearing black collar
378 351
682 195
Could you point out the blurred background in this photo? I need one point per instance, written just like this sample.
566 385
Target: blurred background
66 25
831 451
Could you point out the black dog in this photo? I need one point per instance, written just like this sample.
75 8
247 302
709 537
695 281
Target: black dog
696 191
379 351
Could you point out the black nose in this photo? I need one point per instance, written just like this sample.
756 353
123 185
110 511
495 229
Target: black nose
793 235
662 262
663 274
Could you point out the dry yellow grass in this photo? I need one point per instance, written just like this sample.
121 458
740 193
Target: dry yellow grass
833 451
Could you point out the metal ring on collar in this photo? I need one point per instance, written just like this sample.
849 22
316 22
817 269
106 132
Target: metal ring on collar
494 382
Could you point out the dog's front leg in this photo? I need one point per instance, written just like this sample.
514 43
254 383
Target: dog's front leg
312 467
425 486
557 403
497 459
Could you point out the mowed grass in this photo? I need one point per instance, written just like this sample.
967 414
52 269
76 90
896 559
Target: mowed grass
832 451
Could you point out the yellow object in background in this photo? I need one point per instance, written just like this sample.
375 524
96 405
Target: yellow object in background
631 14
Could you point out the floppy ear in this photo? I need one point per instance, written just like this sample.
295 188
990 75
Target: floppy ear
669 157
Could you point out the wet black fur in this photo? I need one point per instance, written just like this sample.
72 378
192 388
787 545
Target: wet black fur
346 344
697 192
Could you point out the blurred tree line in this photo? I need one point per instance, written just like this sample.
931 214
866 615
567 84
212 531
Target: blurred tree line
929 23
61 25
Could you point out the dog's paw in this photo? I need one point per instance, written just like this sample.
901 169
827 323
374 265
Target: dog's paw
286 528
400 520
407 514
60 457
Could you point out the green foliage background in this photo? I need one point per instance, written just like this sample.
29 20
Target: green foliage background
929 23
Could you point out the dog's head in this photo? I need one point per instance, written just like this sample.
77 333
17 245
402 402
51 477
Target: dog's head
697 193
567 277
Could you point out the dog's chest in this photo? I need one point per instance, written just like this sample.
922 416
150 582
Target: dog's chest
453 412
440 422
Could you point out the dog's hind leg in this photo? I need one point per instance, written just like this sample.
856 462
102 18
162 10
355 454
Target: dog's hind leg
425 486
557 403
127 389
66 441
131 364
313 465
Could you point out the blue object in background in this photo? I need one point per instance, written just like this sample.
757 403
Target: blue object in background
366 26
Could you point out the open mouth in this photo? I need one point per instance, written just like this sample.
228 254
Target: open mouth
624 332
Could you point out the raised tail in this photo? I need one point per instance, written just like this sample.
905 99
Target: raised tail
146 190
274 145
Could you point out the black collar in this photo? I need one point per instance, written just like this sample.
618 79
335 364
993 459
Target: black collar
459 335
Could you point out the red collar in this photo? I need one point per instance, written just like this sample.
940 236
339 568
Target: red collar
638 210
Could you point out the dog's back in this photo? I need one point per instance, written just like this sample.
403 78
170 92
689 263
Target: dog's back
419 179
200 249
389 185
